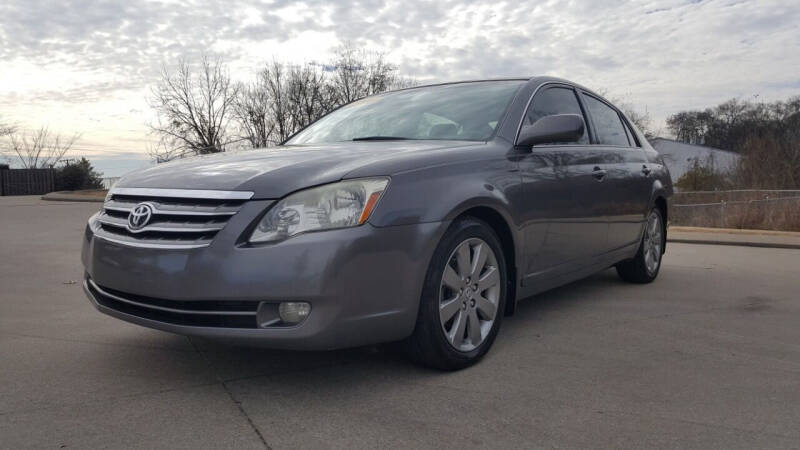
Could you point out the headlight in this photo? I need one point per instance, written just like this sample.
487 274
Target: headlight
338 205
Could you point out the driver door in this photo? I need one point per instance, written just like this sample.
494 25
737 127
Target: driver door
563 209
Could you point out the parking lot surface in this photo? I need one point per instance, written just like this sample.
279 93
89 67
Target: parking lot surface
708 356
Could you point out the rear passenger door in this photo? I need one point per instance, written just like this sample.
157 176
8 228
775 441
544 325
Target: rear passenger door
562 208
626 173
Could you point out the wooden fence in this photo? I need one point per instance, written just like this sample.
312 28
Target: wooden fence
27 181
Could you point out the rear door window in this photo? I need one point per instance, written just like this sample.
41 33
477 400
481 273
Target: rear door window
607 124
552 101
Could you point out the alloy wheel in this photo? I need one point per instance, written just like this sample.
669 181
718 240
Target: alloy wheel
469 294
653 241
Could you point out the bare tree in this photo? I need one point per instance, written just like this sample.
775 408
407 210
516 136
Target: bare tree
282 100
6 129
262 107
274 80
641 119
309 95
252 115
194 109
285 98
41 149
358 73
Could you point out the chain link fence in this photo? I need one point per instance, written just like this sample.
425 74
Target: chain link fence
745 209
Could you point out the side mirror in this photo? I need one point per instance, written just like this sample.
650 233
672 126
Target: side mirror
559 128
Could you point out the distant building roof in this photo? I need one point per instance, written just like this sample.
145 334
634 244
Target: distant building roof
678 156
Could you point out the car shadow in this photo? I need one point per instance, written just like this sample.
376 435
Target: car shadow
571 295
232 362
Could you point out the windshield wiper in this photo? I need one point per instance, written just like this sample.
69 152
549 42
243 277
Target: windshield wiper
380 138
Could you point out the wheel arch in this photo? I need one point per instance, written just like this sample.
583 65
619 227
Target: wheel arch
661 203
661 191
500 225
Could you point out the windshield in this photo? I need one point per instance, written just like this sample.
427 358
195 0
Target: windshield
463 111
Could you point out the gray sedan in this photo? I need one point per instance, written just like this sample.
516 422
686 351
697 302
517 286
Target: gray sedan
420 215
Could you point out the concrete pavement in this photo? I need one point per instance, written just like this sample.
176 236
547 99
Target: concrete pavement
706 356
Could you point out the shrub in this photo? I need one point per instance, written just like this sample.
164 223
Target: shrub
703 176
771 161
74 176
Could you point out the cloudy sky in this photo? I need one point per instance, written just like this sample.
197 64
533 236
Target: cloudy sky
87 66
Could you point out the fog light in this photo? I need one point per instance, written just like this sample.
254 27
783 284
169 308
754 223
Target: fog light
294 312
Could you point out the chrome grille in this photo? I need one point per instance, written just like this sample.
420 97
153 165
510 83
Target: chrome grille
181 218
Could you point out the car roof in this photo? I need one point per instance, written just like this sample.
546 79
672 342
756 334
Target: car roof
539 79
447 83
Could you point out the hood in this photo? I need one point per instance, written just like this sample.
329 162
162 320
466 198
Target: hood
274 172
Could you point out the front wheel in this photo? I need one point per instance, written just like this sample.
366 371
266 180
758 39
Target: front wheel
463 298
644 267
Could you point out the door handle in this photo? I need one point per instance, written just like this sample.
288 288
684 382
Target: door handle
599 173
646 170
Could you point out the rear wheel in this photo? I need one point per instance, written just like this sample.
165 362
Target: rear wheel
644 267
463 298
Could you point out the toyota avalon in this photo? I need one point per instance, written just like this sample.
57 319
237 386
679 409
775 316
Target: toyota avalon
421 215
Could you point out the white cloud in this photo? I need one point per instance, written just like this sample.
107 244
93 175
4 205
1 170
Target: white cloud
83 65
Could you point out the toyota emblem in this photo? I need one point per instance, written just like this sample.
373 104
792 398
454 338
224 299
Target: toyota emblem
140 216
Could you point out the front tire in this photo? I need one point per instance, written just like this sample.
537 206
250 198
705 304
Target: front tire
463 298
644 267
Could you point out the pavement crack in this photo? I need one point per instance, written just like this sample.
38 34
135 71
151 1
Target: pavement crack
227 390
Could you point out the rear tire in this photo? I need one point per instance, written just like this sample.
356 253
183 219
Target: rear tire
463 298
644 267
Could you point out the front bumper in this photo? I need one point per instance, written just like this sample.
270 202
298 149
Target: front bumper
364 283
